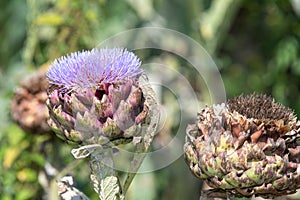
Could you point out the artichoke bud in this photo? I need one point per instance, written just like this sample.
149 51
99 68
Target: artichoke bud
95 95
248 146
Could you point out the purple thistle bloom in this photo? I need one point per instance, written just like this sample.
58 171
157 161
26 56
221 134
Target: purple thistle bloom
91 69
96 94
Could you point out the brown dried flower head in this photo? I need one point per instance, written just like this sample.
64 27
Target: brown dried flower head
248 146
28 106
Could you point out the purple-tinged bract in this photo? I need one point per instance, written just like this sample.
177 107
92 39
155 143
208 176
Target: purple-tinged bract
90 69
97 96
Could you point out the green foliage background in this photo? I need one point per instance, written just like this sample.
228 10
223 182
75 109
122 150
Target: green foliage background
256 45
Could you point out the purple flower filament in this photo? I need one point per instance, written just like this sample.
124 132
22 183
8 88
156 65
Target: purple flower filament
91 69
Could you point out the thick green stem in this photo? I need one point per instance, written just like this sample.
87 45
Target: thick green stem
104 176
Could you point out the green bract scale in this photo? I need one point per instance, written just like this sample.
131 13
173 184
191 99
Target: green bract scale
248 146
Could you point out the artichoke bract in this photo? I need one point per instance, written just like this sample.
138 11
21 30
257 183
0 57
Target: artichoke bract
95 96
248 146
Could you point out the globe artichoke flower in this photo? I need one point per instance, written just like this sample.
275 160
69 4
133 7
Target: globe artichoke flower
28 104
95 96
248 146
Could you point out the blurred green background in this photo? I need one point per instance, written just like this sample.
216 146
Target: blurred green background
255 44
